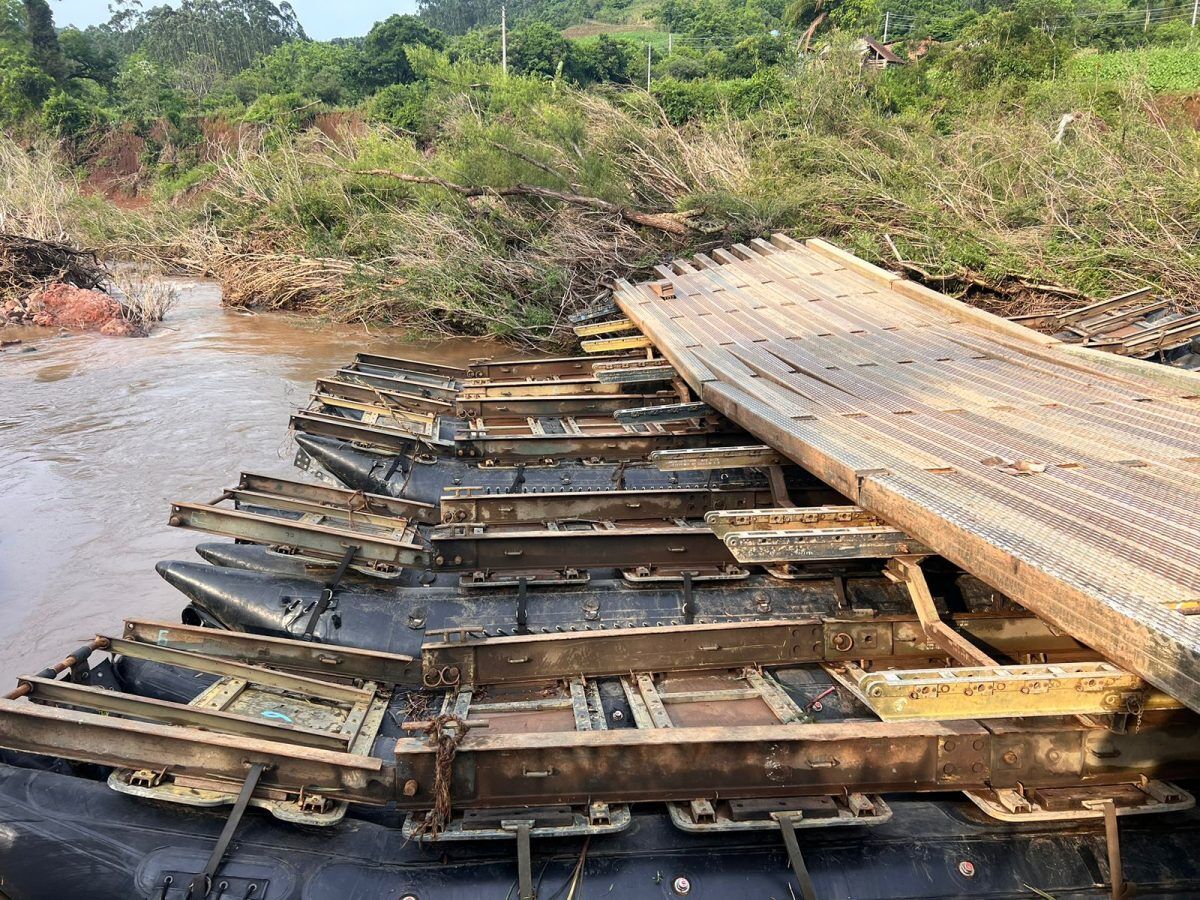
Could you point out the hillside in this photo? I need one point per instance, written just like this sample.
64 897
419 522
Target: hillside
1031 155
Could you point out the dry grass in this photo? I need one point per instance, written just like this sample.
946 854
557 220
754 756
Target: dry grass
145 297
37 193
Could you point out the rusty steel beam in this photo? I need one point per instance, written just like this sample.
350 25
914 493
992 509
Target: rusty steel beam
192 752
644 371
701 459
614 446
421 425
373 548
417 407
552 367
116 703
608 345
1002 691
686 763
524 658
434 372
469 405
341 428
471 505
280 653
609 327
675 412
472 548
436 400
250 673
581 386
315 497
882 640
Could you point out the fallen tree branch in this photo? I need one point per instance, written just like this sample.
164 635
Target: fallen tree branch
970 279
671 223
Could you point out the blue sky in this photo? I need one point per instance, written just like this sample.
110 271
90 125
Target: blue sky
321 19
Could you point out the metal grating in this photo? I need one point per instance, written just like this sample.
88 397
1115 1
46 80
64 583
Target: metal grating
1064 477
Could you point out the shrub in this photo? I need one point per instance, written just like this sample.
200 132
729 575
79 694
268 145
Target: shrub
66 117
288 111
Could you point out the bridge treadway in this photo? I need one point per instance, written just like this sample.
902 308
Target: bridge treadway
1066 478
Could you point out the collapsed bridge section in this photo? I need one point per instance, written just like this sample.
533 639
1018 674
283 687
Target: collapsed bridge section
1065 478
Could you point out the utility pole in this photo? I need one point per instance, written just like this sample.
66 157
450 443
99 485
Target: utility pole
1146 24
1195 13
504 37
671 35
649 50
887 23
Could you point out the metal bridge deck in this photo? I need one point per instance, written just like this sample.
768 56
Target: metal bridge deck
1066 478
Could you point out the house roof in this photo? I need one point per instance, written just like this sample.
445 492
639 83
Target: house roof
882 50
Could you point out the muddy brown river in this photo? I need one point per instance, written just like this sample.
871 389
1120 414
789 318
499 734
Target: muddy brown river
98 435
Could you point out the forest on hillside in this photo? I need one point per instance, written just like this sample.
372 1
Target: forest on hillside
406 176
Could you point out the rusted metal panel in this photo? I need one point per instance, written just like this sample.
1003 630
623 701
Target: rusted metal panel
381 437
102 700
314 497
1070 688
627 765
884 640
613 446
1092 528
517 659
394 549
553 367
435 373
705 458
582 545
186 751
320 660
469 405
472 505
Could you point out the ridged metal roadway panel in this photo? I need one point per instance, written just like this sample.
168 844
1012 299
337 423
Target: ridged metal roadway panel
1067 478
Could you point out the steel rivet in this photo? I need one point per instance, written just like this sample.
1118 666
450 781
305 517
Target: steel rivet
966 868
681 886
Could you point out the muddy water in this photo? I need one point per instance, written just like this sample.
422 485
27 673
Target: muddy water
98 435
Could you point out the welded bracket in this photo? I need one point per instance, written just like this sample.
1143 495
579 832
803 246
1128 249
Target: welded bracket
787 826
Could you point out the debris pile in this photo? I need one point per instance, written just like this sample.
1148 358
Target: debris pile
54 285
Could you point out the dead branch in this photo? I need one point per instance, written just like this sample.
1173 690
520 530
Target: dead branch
1019 283
806 41
671 223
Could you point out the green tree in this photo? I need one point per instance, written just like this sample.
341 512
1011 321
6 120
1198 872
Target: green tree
90 55
232 33
605 59
43 39
23 86
327 71
384 61
538 50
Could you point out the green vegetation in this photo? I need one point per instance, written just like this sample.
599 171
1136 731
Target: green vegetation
1030 152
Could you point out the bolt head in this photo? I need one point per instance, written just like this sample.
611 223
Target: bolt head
966 869
681 886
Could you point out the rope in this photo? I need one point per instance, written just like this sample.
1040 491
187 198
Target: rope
356 503
446 741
